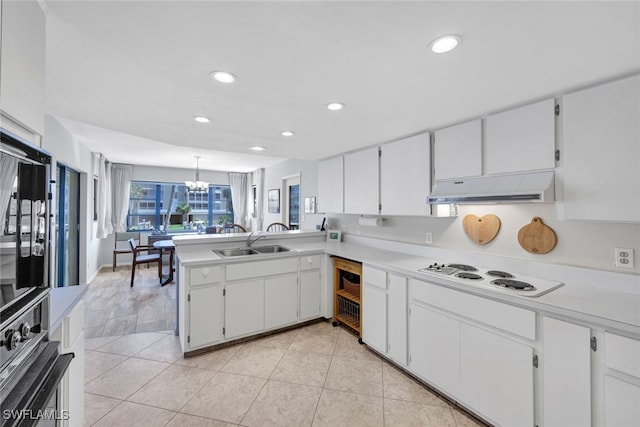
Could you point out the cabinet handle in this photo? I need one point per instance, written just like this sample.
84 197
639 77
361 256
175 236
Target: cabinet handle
204 272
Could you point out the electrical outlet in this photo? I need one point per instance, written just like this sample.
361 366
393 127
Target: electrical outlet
428 237
624 257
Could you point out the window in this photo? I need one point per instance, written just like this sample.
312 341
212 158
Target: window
153 205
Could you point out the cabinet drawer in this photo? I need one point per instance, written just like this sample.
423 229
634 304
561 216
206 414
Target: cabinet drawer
502 316
375 277
247 270
311 262
74 324
622 354
204 275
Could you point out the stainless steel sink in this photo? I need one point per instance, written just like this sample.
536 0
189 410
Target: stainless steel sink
271 249
235 252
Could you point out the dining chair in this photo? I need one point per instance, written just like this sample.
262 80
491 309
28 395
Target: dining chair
277 226
139 258
120 246
234 228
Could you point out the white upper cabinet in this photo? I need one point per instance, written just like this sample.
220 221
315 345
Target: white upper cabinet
405 176
600 152
521 139
458 151
22 78
362 182
331 185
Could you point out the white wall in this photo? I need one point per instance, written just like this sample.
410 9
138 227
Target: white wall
273 178
580 243
66 149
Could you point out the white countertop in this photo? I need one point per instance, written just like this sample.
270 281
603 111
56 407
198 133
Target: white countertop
62 301
614 310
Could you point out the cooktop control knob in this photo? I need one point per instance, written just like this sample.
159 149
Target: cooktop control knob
25 330
12 338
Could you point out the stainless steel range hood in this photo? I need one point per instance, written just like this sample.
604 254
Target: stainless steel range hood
513 188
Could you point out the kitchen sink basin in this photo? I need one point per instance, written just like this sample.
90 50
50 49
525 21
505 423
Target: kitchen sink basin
271 249
235 252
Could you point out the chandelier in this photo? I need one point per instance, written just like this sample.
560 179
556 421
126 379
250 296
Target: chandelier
197 185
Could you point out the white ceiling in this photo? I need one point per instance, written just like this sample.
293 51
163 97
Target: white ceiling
142 69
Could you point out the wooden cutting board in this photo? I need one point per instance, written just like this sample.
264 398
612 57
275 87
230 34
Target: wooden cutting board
483 229
536 237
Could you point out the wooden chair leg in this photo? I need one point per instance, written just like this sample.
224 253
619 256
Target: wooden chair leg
160 270
114 261
133 273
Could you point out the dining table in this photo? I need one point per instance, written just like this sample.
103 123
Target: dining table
166 246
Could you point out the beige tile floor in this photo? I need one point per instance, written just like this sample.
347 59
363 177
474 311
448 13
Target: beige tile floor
115 308
318 375
313 376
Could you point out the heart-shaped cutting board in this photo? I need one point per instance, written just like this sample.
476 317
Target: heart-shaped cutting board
483 229
536 237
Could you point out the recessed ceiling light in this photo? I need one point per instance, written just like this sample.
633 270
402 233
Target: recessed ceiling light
223 77
257 148
201 119
335 106
445 43
287 133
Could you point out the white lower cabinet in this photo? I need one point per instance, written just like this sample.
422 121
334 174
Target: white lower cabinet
206 315
469 348
72 340
621 381
244 308
566 374
435 348
222 302
384 313
621 403
310 294
280 301
496 376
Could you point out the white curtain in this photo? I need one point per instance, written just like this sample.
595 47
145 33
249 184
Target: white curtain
8 173
105 226
258 215
121 189
239 196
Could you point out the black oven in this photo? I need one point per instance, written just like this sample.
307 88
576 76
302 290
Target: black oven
30 366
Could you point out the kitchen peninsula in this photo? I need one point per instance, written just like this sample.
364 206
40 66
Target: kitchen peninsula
543 340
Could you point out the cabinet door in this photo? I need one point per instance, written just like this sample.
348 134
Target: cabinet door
205 316
521 139
244 308
621 402
74 395
331 185
309 294
496 376
22 82
280 301
566 369
362 182
434 348
397 320
600 153
458 151
405 176
374 317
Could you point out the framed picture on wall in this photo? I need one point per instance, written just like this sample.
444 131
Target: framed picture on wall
273 201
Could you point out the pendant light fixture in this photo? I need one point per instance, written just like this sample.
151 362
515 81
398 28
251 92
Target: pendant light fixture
197 185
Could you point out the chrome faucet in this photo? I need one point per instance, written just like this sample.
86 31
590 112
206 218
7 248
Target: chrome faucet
251 242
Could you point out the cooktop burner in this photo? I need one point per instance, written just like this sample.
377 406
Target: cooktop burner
462 267
498 273
494 280
470 276
514 284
